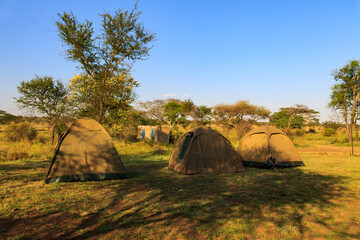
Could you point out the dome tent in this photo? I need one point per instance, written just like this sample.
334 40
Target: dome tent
85 153
204 150
268 147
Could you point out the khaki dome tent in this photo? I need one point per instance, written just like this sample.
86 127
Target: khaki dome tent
268 147
85 153
203 150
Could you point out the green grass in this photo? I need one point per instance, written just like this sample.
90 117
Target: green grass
320 200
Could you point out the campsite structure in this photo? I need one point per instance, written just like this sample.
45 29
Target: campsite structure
268 147
159 133
204 150
85 153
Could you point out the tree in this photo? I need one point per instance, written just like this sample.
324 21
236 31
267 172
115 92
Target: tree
345 95
232 114
153 110
293 117
259 113
105 85
45 96
174 113
201 115
6 117
110 99
285 119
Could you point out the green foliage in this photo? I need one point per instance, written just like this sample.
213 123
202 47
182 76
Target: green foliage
128 130
6 117
202 115
229 115
299 132
331 124
281 119
173 113
60 127
345 95
105 87
101 99
46 96
18 132
176 112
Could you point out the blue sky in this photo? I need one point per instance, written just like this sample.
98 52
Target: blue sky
272 53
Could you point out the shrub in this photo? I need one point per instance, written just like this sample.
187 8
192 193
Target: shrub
42 139
331 124
329 132
19 132
312 130
242 128
289 133
16 153
299 132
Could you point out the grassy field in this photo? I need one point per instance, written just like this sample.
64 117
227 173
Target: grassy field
318 201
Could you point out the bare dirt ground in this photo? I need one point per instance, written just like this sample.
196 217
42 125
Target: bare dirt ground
330 150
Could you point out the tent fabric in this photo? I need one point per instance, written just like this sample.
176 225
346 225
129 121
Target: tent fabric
268 147
204 150
85 153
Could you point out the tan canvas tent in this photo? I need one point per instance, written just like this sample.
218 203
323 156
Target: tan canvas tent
204 150
268 147
85 153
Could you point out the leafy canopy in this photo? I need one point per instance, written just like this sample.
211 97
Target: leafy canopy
345 95
282 118
105 87
45 96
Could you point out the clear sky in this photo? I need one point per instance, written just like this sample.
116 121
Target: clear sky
272 53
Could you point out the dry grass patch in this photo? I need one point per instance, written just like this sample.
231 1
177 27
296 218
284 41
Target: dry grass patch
319 200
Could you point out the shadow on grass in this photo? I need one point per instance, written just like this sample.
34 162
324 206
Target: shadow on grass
157 200
23 170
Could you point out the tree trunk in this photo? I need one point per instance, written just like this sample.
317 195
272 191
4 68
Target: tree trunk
349 128
53 134
289 123
352 142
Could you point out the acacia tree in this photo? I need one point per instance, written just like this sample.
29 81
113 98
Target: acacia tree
345 95
201 115
105 84
285 120
153 110
232 114
45 96
156 113
293 117
302 110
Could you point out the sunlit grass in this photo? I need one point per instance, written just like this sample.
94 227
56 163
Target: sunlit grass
320 200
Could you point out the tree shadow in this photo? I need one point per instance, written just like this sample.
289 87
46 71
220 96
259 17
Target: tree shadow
195 205
214 198
15 171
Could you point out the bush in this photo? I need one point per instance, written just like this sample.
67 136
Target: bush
242 128
289 133
20 132
43 139
312 130
331 124
329 132
299 132
16 153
